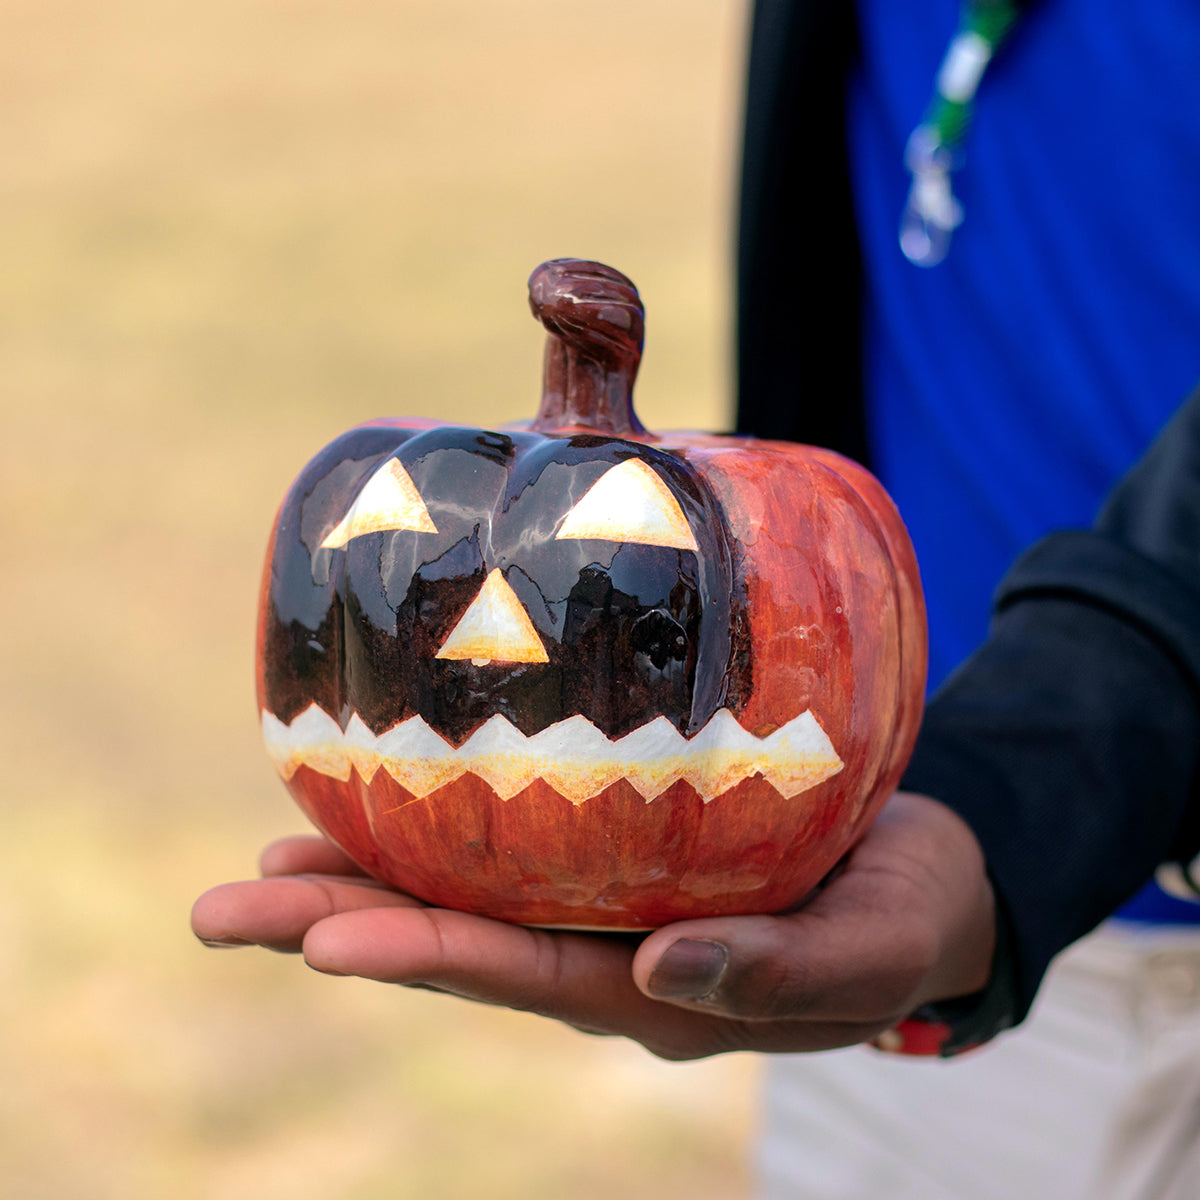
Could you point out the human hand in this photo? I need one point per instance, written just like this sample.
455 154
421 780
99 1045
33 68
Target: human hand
909 919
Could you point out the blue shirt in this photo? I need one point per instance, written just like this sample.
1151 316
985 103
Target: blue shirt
1008 388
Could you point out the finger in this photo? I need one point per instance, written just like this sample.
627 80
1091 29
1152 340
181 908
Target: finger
306 855
277 913
583 980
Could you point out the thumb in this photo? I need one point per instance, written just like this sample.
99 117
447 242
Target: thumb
803 966
910 919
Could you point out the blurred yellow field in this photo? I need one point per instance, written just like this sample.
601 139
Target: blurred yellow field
228 231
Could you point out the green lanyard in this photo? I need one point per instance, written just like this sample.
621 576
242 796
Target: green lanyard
932 213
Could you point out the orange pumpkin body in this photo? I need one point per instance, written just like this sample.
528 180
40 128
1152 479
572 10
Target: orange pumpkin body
582 675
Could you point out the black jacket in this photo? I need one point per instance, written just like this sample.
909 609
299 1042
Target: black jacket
1071 741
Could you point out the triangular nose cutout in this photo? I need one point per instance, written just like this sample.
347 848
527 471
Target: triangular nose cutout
496 628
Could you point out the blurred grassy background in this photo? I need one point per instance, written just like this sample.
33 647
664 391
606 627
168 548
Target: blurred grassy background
228 231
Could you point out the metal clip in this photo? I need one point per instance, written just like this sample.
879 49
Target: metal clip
932 212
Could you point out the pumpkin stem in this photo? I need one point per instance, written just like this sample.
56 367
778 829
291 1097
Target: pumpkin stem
595 320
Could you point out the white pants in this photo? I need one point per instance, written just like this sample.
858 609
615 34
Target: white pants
1095 1097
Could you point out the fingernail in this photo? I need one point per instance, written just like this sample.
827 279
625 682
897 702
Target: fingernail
690 969
226 941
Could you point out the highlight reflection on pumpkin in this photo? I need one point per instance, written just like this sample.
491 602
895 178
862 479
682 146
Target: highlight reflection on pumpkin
578 674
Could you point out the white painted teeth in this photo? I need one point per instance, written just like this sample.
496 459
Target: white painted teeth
573 757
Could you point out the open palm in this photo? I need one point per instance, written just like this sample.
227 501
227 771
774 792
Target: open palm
908 919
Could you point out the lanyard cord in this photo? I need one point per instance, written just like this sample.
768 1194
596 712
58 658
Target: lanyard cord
932 212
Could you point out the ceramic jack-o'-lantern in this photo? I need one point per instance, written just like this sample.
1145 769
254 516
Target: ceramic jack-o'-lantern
580 674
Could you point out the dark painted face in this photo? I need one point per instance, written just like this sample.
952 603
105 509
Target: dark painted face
529 576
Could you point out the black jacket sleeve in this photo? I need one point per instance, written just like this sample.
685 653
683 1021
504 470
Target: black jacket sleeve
1070 742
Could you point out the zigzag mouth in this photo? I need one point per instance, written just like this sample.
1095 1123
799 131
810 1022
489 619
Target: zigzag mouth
574 757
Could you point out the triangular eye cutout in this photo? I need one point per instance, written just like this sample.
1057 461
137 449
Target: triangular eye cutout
629 503
390 501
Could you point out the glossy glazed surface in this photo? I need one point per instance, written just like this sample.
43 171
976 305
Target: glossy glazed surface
631 631
580 674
